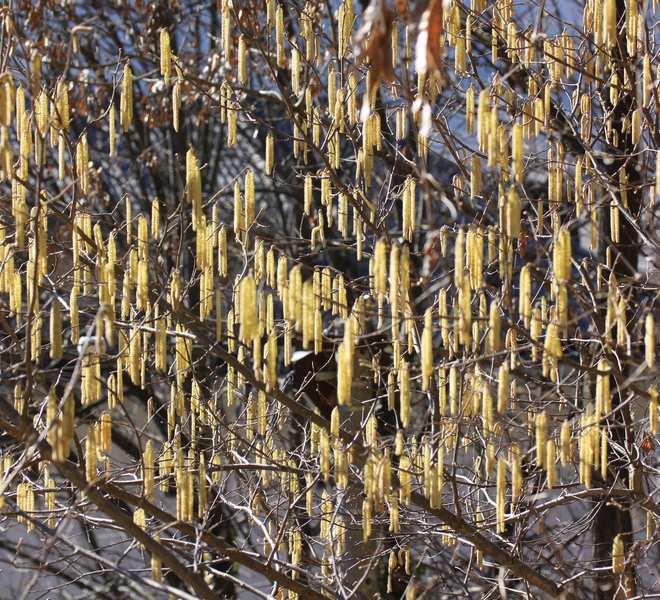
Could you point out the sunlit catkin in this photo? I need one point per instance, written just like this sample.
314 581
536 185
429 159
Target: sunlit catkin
649 340
91 454
501 494
248 309
165 56
512 214
279 37
541 431
269 161
517 151
516 472
249 209
618 555
609 23
565 444
550 460
176 105
345 359
427 350
404 394
194 187
126 100
55 330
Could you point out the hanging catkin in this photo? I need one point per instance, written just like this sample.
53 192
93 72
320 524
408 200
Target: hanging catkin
427 349
501 494
165 56
649 340
618 555
126 99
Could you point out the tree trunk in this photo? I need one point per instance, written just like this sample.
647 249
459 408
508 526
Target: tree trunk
612 520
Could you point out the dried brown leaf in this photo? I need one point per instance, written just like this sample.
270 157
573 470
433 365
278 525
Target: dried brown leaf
372 43
429 48
402 8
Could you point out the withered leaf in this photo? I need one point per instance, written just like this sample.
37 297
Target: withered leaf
372 43
402 8
429 48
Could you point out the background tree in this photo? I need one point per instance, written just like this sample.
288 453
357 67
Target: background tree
328 299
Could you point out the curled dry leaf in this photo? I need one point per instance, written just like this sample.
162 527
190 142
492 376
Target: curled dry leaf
429 49
373 45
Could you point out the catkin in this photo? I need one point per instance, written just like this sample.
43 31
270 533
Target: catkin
55 330
649 340
618 555
270 154
517 152
279 36
427 350
501 494
609 23
165 56
404 394
126 99
541 430
345 359
176 105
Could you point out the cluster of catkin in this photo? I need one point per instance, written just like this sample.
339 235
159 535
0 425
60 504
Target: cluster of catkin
461 351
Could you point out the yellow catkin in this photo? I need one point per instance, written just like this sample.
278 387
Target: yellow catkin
249 208
270 154
501 494
112 136
550 460
525 295
565 444
516 472
345 359
176 105
513 208
649 340
517 152
165 56
427 350
541 431
404 394
194 187
653 410
73 315
105 432
248 309
242 55
55 330
91 454
609 23
618 555
126 99
503 387
603 396
279 37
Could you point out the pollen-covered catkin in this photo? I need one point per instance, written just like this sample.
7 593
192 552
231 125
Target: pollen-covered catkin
248 309
618 555
55 330
427 350
517 152
165 55
269 162
501 494
126 99
649 340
